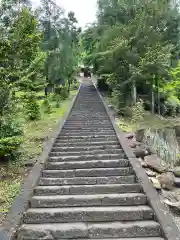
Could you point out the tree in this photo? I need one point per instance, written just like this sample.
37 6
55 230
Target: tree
60 42
132 47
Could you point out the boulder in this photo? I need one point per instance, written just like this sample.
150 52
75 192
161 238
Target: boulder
150 150
166 180
140 152
110 106
176 171
177 182
177 130
129 135
140 135
134 144
144 164
155 163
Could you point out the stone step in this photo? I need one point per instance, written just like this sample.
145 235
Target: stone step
89 117
55 152
88 139
130 179
85 148
87 134
92 172
86 144
147 238
88 214
74 128
127 199
111 230
89 120
88 189
87 125
87 157
87 164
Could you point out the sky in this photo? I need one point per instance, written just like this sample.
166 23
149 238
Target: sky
85 10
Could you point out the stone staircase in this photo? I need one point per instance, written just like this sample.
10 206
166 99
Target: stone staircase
88 189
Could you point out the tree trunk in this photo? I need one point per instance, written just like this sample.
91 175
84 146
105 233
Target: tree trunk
134 92
152 98
69 86
46 91
158 96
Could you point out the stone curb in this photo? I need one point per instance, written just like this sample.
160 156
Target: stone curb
163 216
21 202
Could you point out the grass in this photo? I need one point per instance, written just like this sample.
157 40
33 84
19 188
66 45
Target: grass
35 133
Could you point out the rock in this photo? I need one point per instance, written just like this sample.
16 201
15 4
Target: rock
134 144
21 170
155 163
175 205
150 173
166 180
172 196
140 152
140 135
141 161
177 182
144 164
110 106
155 182
129 135
150 150
177 130
176 171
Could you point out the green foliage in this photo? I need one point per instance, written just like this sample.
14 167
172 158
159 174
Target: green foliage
172 106
135 44
62 91
47 105
60 42
138 112
58 102
9 127
32 108
10 140
9 147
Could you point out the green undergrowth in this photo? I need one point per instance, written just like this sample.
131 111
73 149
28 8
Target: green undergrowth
35 133
144 121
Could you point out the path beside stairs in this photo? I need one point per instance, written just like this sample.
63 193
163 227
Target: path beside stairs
88 189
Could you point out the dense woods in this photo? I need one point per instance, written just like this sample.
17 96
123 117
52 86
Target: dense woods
134 48
38 53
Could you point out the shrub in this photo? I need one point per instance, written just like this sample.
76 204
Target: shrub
9 147
173 106
32 107
64 93
10 132
138 111
118 100
9 127
57 101
46 105
102 84
57 90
